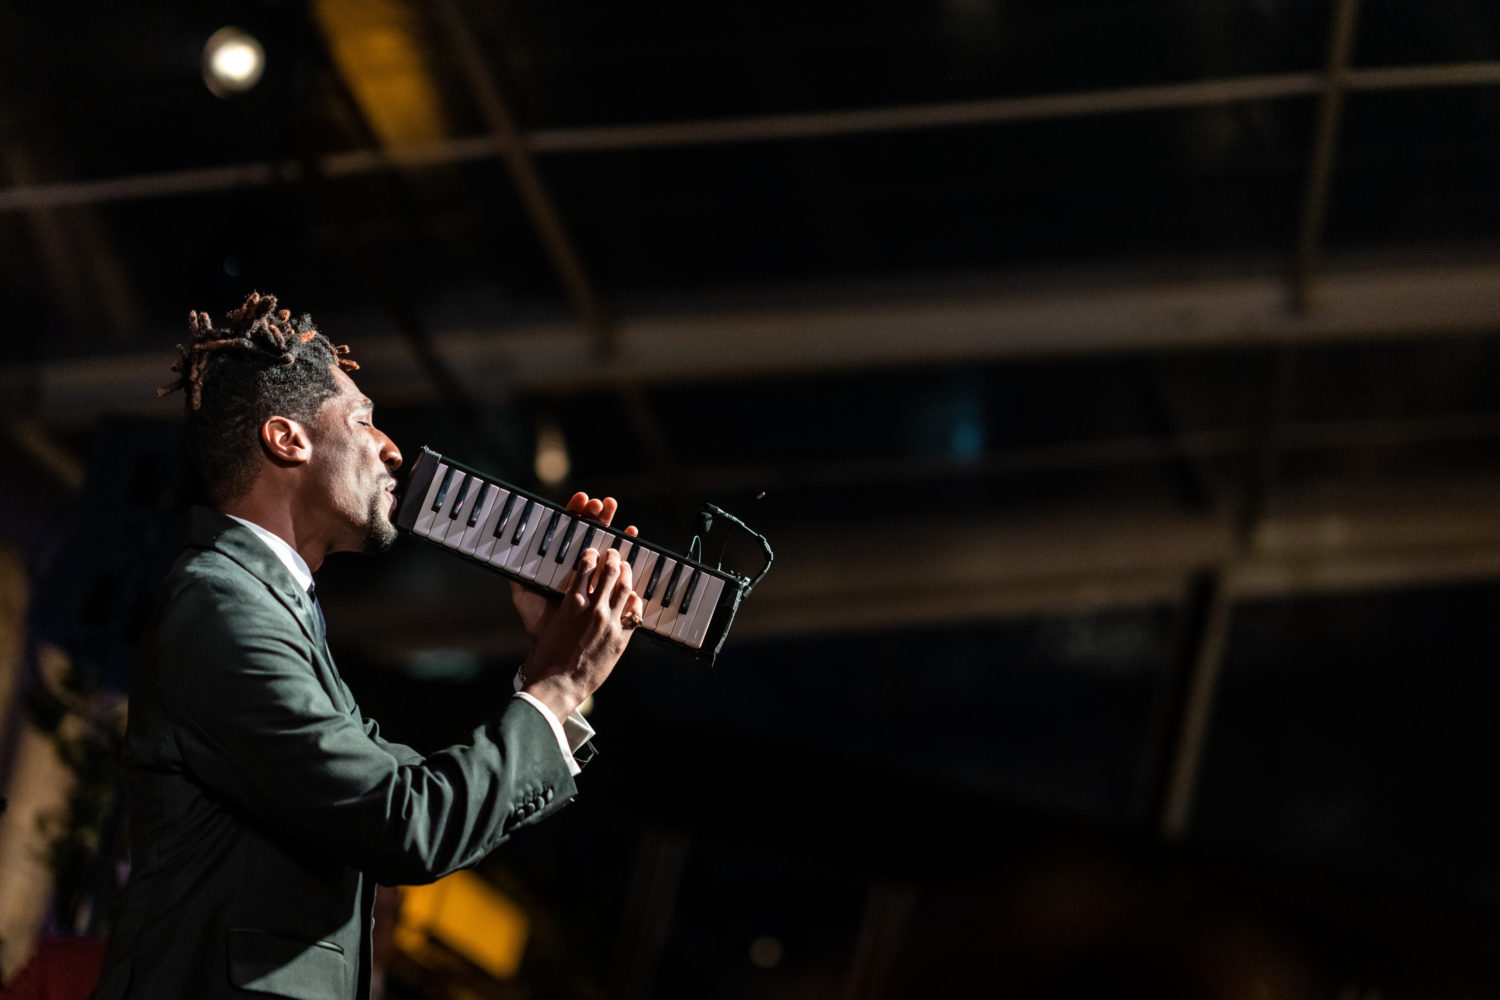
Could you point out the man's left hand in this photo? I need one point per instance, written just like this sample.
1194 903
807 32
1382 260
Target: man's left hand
535 608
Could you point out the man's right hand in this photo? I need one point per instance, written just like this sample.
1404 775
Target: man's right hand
582 638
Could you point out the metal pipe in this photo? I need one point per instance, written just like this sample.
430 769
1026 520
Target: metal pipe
517 157
1320 172
752 129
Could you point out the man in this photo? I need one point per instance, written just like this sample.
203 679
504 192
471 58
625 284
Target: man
265 808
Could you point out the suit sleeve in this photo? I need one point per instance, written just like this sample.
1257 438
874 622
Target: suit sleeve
256 725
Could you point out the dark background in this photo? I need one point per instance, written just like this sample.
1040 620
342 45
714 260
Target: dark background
1120 377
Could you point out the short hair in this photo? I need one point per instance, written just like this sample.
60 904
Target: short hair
261 363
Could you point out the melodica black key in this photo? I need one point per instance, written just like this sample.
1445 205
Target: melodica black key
442 493
458 505
537 541
478 508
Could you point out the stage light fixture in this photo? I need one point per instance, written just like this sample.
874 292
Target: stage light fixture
232 62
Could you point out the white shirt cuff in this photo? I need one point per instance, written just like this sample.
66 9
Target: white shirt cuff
571 733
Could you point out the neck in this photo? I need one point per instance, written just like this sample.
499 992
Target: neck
278 515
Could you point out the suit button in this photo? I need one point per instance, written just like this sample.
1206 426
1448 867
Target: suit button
548 796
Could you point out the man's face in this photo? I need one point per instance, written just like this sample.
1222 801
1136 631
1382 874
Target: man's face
354 464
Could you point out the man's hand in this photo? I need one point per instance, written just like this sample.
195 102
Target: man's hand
534 607
577 638
583 636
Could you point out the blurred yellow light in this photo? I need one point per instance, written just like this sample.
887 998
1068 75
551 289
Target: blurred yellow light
552 462
467 915
377 46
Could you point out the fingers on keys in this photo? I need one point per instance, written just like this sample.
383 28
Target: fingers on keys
620 592
582 580
607 571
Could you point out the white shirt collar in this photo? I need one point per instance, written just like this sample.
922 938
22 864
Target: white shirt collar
294 563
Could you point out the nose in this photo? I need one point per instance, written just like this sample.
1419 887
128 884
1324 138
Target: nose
389 453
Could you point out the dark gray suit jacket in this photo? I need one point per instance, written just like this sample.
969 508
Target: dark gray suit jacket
265 808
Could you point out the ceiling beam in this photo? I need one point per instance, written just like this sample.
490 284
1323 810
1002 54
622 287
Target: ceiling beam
756 128
851 330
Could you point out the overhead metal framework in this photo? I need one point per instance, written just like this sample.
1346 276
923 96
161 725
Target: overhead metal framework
766 128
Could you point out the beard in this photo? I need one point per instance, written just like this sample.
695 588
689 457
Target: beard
380 533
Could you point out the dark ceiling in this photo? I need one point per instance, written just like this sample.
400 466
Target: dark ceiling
1120 377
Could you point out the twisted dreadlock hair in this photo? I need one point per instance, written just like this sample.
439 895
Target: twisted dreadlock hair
261 363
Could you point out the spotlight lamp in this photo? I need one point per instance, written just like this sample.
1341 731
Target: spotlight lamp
232 62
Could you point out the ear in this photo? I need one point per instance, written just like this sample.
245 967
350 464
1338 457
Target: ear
286 441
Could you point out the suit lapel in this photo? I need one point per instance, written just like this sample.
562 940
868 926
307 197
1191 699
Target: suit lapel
210 529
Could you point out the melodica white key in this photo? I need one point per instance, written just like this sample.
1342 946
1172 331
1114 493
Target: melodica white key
448 526
687 604
494 541
544 520
519 535
437 513
579 536
432 500
459 510
552 542
481 511
696 608
660 614
640 574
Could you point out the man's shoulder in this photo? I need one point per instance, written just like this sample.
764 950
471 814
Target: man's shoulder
222 579
206 607
211 603
221 548
199 566
204 592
